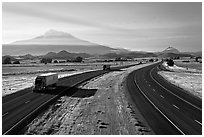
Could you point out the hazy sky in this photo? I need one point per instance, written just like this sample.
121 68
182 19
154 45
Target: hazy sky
134 26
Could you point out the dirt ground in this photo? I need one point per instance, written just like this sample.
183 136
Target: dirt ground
98 107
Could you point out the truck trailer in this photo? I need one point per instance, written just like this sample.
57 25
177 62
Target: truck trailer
43 81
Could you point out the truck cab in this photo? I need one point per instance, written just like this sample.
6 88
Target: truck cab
43 81
39 84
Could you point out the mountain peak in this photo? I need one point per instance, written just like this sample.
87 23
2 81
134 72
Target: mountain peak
55 33
63 52
54 37
170 50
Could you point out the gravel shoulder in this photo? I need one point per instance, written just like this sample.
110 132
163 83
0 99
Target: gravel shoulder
100 106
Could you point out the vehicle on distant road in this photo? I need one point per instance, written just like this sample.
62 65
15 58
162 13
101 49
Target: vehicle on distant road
106 67
43 81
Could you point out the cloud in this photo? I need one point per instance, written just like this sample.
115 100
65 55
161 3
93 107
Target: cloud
107 22
29 11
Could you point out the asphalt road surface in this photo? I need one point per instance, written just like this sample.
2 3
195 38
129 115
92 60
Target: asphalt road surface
22 105
166 108
17 106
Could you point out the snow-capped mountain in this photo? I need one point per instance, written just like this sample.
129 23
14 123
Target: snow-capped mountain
170 50
53 37
55 41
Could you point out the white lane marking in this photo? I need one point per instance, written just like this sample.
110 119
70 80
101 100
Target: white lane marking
175 106
161 96
159 109
27 101
5 114
198 122
173 93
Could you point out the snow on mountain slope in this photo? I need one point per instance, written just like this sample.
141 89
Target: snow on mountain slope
170 50
53 37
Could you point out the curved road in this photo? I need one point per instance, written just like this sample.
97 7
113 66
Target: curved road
21 107
166 108
17 106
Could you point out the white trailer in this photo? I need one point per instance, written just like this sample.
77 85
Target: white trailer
45 80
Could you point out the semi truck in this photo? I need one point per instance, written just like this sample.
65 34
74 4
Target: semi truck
43 81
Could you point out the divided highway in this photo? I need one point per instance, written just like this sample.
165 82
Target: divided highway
20 108
166 108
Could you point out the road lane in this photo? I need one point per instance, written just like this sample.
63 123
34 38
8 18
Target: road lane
188 108
15 116
21 105
196 101
18 102
158 123
178 111
14 107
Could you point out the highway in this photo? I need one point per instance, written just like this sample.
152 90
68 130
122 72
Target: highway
168 110
20 105
18 109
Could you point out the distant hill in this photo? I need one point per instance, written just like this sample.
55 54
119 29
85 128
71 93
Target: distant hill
8 56
197 54
130 55
55 41
65 55
27 56
171 55
171 52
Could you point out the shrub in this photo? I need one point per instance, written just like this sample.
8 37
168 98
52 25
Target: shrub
78 59
185 61
151 60
46 60
55 61
196 59
16 62
170 62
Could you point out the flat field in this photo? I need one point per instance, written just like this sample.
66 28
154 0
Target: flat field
16 77
192 65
